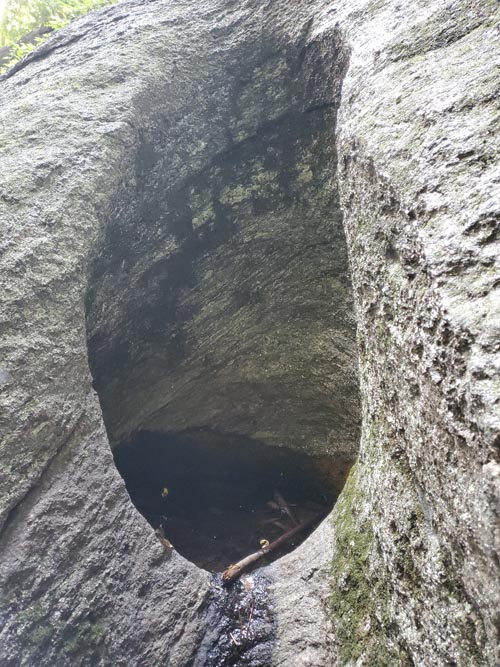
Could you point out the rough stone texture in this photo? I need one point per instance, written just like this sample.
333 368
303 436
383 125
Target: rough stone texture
114 137
301 593
231 309
176 184
418 149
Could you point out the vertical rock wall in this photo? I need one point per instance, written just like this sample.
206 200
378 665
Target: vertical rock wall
416 555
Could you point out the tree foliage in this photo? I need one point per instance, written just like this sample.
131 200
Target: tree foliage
20 18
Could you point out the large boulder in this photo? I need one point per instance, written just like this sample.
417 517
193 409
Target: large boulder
175 245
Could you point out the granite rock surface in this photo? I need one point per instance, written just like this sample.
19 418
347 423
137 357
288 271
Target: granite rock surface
198 204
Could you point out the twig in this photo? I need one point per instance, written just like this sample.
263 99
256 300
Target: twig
285 507
235 641
250 616
234 571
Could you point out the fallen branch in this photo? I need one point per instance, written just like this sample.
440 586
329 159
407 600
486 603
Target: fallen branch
234 571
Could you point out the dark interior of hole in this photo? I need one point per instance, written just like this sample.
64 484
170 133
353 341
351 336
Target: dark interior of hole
216 497
223 299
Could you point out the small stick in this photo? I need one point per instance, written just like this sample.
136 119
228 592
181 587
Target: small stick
284 507
235 641
250 615
234 571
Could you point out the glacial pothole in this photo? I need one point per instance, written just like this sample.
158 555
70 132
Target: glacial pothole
220 302
218 497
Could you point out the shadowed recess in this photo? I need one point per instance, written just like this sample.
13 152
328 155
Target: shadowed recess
217 496
220 321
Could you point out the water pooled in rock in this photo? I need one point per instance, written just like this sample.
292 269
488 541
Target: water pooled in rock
217 497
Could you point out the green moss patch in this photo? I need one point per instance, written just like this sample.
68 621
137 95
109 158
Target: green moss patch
360 596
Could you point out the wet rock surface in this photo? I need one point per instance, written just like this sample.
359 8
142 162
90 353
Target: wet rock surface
184 218
228 311
240 624
169 189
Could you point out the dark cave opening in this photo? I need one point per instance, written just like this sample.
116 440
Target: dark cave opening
217 496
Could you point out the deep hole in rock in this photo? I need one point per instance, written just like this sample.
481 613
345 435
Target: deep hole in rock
220 303
216 496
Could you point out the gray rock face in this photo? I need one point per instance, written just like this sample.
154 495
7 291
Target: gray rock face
176 204
169 192
420 191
